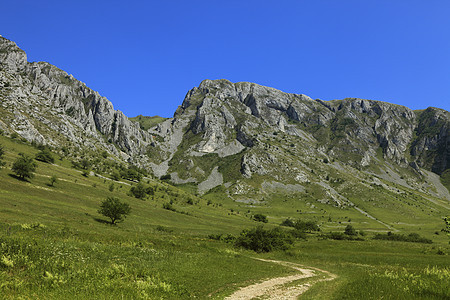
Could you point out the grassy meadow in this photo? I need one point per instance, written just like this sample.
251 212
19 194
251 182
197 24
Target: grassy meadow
55 245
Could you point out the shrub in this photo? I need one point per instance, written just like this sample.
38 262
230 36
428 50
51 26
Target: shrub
24 166
260 218
169 206
288 223
85 164
261 240
114 209
341 236
138 191
111 187
166 177
227 238
2 153
131 174
412 237
349 230
301 226
306 226
45 156
53 180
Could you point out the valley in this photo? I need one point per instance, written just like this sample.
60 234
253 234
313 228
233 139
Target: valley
243 185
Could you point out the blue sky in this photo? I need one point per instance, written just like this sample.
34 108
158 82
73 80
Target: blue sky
145 55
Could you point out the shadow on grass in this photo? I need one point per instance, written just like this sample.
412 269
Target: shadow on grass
103 221
18 178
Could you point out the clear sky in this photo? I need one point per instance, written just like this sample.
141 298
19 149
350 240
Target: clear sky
145 55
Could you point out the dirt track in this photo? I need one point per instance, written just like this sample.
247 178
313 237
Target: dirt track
275 288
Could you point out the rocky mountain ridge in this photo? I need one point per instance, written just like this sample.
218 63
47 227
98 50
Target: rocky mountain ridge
244 138
38 100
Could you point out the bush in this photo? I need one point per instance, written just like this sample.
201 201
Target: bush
227 238
340 236
412 237
2 153
114 209
24 166
115 175
349 230
306 226
169 206
166 177
45 156
85 164
260 218
131 174
288 223
261 240
302 226
138 191
53 180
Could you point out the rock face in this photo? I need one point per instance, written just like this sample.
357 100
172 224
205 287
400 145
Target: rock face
247 131
431 146
62 105
238 135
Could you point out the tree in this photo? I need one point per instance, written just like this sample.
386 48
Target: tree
349 230
53 180
85 164
138 191
304 226
261 240
114 209
45 156
447 225
260 218
24 166
2 152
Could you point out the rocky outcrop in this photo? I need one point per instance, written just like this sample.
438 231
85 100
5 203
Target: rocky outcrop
431 147
63 104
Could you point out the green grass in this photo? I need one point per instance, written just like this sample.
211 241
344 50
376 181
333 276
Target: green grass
54 244
148 122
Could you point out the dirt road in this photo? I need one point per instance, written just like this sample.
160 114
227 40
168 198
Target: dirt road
283 287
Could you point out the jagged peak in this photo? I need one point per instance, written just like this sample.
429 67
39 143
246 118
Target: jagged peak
11 56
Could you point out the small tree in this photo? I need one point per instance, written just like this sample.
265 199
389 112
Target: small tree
261 240
138 191
2 152
260 218
24 166
349 230
114 209
53 180
45 156
447 226
85 164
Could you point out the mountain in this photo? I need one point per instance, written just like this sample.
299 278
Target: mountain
240 140
44 104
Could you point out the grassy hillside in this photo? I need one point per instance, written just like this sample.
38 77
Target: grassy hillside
148 122
55 245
